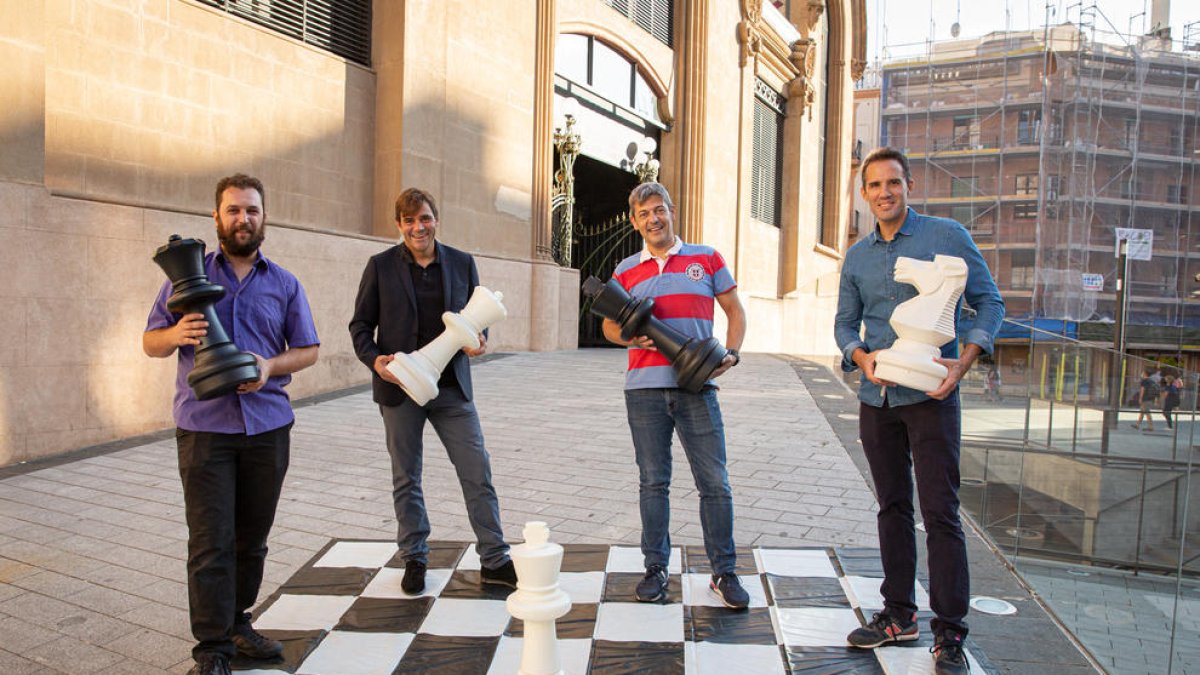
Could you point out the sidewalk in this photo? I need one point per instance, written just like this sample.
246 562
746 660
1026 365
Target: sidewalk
92 549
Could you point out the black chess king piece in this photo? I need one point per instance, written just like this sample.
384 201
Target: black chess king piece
220 366
693 359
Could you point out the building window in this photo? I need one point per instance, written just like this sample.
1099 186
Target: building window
1177 194
1029 123
966 131
1023 272
1176 141
964 186
585 60
766 179
1130 134
652 16
1053 187
1025 211
342 27
1027 184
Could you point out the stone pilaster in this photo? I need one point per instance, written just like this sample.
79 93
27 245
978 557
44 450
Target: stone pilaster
693 78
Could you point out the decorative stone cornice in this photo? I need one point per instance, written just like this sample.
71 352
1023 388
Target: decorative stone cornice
804 58
857 67
749 30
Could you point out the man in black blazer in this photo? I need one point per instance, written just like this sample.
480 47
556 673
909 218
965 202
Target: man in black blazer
403 292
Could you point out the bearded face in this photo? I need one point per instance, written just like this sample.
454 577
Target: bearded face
241 221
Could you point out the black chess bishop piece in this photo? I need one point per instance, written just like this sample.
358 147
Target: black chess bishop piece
220 367
693 359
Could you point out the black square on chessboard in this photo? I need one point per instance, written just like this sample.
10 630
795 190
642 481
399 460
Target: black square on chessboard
842 660
310 580
445 654
806 592
584 557
622 587
465 584
859 562
386 615
622 658
579 623
442 555
717 624
695 561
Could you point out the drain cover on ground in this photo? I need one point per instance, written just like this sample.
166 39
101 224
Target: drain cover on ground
989 605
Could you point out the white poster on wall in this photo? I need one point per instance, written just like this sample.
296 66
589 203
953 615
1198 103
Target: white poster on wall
1141 242
1093 282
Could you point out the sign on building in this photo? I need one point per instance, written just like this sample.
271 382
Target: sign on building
1093 282
1141 242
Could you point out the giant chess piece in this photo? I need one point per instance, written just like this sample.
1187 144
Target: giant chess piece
538 601
694 360
419 371
924 323
220 367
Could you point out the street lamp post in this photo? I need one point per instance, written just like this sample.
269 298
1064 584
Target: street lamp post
567 143
647 170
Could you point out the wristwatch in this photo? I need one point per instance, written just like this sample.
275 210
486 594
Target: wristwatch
737 358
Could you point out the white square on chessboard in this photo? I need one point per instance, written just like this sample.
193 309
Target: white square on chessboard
815 626
386 583
908 661
697 592
714 658
795 563
573 656
461 616
469 560
630 559
304 612
358 554
864 593
347 653
639 622
585 588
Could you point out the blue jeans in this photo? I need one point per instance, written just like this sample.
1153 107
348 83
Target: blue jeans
457 425
653 415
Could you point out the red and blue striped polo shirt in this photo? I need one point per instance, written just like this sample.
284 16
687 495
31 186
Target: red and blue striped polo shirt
684 291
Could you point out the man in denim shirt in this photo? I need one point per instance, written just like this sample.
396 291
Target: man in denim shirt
904 429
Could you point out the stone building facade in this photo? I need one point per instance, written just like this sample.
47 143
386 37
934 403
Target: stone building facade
121 115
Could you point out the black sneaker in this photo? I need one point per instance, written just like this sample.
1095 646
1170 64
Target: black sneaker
414 577
653 586
948 655
729 588
210 664
883 630
254 644
504 575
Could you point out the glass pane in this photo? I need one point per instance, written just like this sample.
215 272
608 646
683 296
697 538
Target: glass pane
611 75
571 57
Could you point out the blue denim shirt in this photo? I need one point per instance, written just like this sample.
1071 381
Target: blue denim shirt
868 294
266 313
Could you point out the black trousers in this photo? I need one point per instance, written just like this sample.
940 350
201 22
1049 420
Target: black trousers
921 439
231 485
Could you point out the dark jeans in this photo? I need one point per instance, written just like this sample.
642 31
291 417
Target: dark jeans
231 485
922 438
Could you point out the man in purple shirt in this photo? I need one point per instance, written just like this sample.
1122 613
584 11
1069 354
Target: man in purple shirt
233 449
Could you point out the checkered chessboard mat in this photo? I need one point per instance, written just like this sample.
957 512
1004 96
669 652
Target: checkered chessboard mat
344 613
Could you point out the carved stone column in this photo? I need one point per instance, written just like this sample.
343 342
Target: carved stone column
543 123
693 78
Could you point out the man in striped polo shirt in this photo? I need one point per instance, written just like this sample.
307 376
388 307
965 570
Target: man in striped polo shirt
683 279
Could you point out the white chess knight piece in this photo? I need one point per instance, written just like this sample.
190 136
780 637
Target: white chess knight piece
538 601
924 323
419 371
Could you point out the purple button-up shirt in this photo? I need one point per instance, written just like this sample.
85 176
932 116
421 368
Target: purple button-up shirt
265 313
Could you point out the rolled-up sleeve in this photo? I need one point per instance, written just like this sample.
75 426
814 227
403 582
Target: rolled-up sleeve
981 295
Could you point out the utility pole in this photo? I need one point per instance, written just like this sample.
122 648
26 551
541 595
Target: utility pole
1118 357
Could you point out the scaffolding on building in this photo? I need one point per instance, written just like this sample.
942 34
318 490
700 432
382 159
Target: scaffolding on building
1050 144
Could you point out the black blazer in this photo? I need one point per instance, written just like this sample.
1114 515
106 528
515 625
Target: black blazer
386 302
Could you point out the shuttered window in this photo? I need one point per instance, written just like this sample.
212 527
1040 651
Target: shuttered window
653 16
766 180
342 27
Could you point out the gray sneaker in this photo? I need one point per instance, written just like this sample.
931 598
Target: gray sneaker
884 629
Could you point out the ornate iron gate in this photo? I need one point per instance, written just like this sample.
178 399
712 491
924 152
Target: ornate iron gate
598 249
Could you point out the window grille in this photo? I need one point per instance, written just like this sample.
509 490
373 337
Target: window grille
766 181
342 27
653 16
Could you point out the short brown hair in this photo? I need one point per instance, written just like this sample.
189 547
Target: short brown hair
410 201
880 154
242 182
644 191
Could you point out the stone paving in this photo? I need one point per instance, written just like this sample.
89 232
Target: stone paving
92 546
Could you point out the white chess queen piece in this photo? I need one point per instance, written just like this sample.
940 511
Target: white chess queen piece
538 601
924 323
419 371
